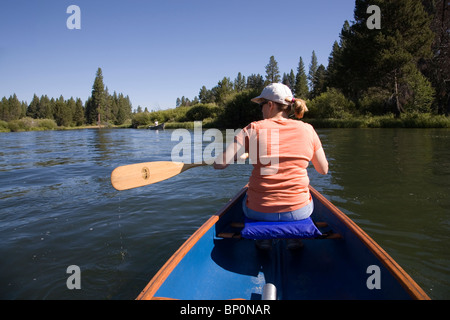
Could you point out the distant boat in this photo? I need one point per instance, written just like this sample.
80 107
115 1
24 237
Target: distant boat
157 127
218 263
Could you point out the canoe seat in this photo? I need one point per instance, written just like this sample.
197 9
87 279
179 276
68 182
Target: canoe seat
261 230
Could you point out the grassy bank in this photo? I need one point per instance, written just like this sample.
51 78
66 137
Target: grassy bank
27 124
388 121
30 124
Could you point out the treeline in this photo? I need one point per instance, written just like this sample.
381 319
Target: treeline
228 103
302 85
401 69
100 108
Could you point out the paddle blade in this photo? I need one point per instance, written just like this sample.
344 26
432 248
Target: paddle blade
142 174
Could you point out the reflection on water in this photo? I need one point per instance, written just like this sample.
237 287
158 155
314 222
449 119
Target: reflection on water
58 207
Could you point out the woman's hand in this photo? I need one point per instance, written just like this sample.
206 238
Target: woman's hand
229 156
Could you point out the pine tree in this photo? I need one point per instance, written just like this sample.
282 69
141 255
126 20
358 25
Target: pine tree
332 77
239 83
437 68
291 78
312 70
272 71
45 108
222 90
62 112
336 76
406 40
78 115
205 96
318 83
32 109
113 102
255 81
301 82
95 106
125 108
4 109
108 114
285 80
386 58
23 109
71 106
120 108
15 108
90 113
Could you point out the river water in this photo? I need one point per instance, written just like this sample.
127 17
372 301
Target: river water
58 208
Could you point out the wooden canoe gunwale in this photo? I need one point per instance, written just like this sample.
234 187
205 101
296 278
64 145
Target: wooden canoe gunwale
410 286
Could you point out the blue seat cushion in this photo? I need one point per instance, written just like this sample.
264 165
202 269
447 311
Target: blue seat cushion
261 230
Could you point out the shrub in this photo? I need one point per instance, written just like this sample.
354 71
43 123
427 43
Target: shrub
30 124
4 126
200 112
47 124
239 111
330 104
420 92
373 101
140 119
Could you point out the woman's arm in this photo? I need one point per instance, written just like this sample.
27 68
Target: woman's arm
229 156
320 162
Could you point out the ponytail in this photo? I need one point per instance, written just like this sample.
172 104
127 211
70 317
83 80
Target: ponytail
299 106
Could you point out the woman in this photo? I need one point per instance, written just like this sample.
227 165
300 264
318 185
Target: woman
280 150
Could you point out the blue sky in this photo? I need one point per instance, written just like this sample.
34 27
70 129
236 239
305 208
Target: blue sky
157 51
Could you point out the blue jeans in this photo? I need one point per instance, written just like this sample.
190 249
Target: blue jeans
295 215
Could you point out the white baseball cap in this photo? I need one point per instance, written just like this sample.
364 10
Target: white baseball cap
276 92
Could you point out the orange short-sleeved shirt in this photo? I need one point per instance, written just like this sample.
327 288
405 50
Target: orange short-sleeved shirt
280 151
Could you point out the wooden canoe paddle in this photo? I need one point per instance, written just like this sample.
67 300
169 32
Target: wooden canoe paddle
142 174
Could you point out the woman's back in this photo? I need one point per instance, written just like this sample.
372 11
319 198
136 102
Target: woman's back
280 150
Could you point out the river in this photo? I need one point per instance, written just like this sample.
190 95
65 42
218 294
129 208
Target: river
58 208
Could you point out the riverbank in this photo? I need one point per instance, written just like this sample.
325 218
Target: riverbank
30 124
388 121
412 120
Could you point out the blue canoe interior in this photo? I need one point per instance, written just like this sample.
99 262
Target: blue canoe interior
216 264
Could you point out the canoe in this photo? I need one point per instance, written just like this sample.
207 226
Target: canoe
158 127
215 263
